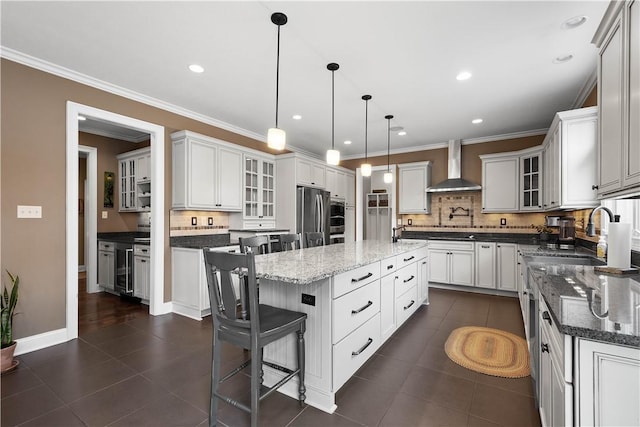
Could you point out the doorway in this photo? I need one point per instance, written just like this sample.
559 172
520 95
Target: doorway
156 299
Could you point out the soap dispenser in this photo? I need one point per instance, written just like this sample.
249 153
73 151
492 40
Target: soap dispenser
601 249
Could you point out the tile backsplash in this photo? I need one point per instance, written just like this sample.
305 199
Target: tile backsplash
181 223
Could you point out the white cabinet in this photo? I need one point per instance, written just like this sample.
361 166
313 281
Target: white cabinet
609 384
351 190
486 265
310 173
134 180
507 266
413 180
570 160
349 223
500 184
423 276
190 295
141 272
531 181
143 165
555 376
127 183
378 217
451 262
387 300
337 182
259 188
206 173
106 265
618 38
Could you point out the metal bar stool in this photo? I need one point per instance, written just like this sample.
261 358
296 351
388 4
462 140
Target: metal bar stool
314 238
265 325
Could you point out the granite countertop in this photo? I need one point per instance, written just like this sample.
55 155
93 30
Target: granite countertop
570 291
305 266
124 236
200 241
518 238
260 230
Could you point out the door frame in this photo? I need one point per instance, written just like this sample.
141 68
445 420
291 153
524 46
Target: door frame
91 217
156 298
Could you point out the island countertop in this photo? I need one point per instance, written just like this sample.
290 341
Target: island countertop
305 266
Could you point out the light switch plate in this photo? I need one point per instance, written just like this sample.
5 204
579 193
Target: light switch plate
29 211
399 221
105 214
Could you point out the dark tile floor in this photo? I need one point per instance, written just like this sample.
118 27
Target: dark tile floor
154 371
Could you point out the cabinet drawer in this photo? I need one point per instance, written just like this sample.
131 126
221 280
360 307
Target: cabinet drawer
406 305
407 277
351 353
355 308
407 258
353 279
556 344
451 245
141 250
106 246
388 265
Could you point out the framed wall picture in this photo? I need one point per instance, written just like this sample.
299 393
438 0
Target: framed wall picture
109 181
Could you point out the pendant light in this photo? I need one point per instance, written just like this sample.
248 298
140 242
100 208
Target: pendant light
388 176
333 155
365 168
276 137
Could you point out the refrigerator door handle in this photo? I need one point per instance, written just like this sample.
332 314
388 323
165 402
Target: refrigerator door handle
316 214
322 225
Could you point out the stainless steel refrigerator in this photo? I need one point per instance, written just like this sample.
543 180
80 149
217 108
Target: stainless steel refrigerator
313 211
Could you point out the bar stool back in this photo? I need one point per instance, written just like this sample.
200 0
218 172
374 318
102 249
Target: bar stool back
314 239
289 242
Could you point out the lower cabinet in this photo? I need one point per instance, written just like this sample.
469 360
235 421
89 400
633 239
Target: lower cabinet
423 278
387 300
141 272
609 384
451 262
106 265
496 266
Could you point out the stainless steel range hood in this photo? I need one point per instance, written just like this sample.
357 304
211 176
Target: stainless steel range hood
454 183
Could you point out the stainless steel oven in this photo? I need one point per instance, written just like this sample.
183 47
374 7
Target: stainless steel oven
336 217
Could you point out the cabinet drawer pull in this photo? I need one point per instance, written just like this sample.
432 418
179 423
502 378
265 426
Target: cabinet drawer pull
410 304
144 250
408 280
595 187
544 347
364 307
363 348
545 316
366 276
408 259
485 246
389 267
143 260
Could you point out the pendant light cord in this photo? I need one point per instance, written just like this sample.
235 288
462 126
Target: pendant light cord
277 75
366 122
388 141
332 109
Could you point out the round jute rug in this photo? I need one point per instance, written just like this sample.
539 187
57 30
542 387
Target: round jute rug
489 351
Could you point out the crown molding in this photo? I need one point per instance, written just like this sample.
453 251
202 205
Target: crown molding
585 90
57 70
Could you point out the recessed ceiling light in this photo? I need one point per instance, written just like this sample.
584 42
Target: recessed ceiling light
347 142
562 59
196 68
574 22
402 133
463 75
296 117
82 118
476 121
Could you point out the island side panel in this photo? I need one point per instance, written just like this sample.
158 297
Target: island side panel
318 348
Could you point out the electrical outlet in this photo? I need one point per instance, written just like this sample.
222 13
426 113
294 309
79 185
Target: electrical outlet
308 299
29 211
503 221
409 221
399 221
194 220
105 214
210 220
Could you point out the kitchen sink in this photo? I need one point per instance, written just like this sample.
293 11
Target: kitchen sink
586 260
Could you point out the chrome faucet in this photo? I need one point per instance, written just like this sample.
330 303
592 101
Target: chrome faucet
591 228
395 238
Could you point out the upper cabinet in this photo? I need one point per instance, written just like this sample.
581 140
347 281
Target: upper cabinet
310 173
618 40
207 173
500 184
570 160
259 188
531 181
413 180
134 180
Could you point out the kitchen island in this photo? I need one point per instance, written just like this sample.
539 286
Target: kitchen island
355 296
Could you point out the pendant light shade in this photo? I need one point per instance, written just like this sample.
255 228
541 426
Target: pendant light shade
388 176
333 155
276 137
365 168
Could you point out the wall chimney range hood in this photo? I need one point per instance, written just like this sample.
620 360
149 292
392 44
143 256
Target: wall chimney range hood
454 182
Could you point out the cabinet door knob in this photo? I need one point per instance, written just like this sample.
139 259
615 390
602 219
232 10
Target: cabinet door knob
545 316
595 187
544 347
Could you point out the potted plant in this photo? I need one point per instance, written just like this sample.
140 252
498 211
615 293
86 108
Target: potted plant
544 232
8 301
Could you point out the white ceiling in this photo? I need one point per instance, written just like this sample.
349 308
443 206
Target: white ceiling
405 54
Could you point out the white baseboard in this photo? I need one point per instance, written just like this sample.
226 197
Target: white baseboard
37 342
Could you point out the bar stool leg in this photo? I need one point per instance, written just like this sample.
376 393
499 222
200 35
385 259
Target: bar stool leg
215 378
301 388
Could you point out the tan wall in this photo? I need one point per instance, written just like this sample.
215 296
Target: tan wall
33 168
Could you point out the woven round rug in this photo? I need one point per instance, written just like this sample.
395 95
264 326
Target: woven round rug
489 351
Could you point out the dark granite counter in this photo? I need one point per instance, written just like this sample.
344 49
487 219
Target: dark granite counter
519 238
574 293
260 230
123 237
200 241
